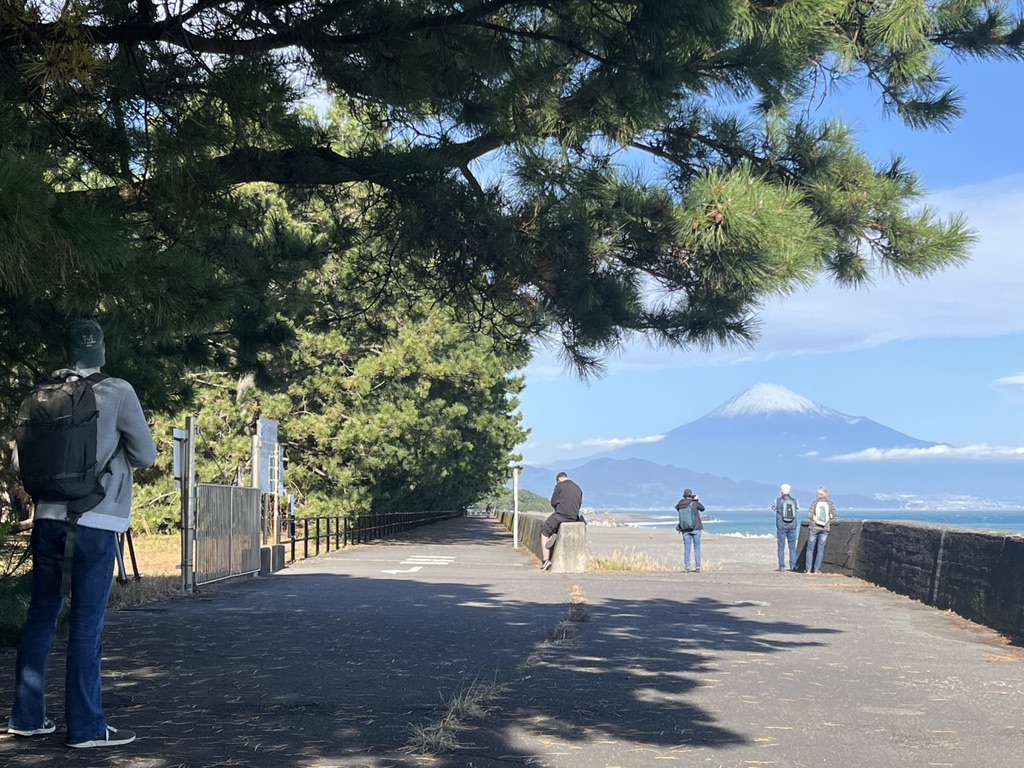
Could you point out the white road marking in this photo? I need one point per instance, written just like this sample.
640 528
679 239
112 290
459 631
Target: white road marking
427 560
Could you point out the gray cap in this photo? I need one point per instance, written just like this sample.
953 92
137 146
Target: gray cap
83 341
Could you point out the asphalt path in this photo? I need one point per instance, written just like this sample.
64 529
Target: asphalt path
449 637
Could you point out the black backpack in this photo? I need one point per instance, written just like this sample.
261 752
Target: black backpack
56 436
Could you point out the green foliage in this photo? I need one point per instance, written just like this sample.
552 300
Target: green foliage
423 422
128 136
421 418
459 199
15 585
15 592
528 501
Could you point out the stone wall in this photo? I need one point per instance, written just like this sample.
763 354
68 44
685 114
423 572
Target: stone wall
979 576
569 554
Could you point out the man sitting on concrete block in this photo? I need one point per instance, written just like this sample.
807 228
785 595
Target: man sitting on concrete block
566 500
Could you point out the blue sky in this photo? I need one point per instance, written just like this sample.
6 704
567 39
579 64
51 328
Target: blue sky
941 359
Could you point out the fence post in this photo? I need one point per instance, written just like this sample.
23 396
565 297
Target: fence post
185 449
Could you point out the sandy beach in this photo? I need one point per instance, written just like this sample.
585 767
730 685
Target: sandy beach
732 553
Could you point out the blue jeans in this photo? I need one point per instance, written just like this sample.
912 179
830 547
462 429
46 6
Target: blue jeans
783 536
815 538
691 538
92 575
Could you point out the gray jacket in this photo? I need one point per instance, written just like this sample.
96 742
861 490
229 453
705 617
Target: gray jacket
833 516
123 438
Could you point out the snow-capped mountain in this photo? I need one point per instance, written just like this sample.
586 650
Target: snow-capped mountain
769 399
769 435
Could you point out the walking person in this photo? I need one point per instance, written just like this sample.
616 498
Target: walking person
690 526
786 525
566 500
821 516
74 545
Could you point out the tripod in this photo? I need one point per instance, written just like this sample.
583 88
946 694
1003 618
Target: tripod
122 574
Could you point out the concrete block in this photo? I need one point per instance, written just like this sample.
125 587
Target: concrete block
569 555
570 551
271 559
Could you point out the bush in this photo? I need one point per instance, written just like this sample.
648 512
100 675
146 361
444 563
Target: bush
15 591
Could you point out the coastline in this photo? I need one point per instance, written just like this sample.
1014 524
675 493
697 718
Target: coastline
760 524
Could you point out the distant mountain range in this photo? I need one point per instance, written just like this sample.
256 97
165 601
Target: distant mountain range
739 453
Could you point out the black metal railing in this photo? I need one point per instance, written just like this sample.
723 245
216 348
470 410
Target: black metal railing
306 537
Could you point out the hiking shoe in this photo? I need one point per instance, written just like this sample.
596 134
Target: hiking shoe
48 727
110 738
546 566
551 540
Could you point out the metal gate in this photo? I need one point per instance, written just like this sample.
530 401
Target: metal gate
227 534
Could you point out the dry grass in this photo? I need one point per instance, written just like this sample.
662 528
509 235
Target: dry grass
564 631
627 560
157 555
441 736
159 561
577 610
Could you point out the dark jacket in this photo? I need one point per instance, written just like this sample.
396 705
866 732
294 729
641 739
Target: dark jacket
781 524
566 499
697 509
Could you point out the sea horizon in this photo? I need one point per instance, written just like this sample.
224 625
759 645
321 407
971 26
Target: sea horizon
761 523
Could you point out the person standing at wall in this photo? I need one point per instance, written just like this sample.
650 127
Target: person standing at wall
74 545
690 526
821 516
566 500
786 525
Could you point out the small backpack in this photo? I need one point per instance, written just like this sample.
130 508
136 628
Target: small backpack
819 512
687 518
56 436
788 510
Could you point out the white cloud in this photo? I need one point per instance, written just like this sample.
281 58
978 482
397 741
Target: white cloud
612 442
1011 382
936 453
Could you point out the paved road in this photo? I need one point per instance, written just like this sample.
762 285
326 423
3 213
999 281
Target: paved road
349 659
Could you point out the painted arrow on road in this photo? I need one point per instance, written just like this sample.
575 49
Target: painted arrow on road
407 570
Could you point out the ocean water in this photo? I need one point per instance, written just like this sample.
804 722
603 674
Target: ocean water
756 523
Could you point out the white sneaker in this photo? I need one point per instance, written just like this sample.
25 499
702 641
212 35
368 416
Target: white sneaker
110 738
48 727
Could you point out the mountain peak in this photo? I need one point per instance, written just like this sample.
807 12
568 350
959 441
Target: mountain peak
766 399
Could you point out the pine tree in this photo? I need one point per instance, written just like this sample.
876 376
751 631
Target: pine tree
489 134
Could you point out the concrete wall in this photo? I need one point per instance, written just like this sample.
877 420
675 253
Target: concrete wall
979 576
569 554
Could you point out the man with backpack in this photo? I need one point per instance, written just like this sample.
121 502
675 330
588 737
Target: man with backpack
786 525
690 525
821 516
79 438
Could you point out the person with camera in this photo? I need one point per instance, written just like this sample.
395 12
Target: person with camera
690 526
